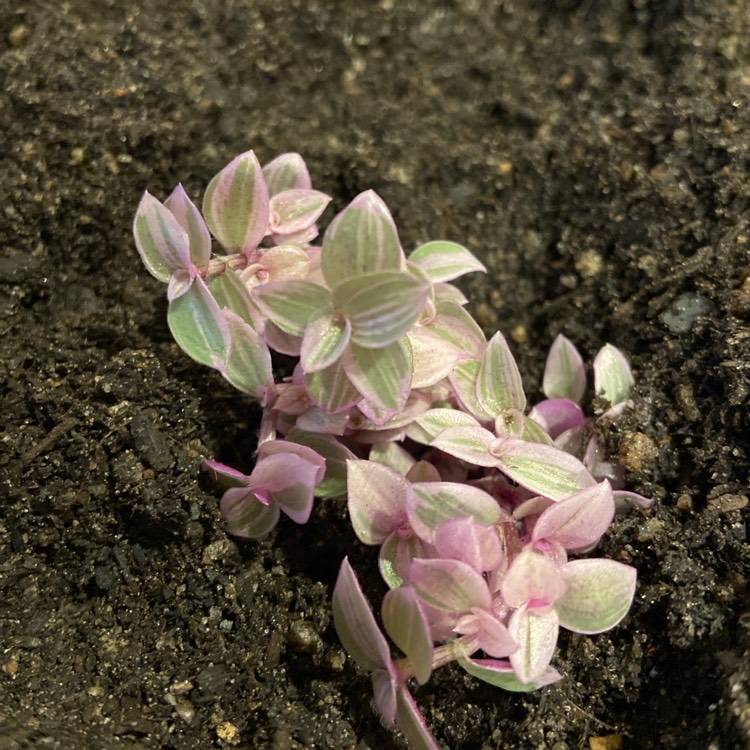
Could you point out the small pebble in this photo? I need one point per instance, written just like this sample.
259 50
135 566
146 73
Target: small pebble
303 638
606 742
18 35
228 732
637 451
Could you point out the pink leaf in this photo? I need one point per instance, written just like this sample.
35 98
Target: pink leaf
224 476
532 579
556 415
384 693
580 520
286 172
449 585
355 623
295 210
536 636
411 722
471 542
493 637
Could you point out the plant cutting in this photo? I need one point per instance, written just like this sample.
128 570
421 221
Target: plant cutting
399 406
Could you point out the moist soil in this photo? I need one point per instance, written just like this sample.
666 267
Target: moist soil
593 154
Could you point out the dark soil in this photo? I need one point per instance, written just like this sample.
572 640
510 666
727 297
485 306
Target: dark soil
594 154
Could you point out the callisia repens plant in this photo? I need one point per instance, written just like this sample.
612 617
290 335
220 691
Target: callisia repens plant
401 407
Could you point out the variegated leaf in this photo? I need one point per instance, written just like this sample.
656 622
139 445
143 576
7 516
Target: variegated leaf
236 204
361 239
444 261
380 306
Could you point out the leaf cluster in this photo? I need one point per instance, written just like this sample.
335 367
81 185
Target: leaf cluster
399 404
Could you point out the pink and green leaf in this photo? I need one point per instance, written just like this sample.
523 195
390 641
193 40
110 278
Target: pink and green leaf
464 382
291 304
599 594
449 585
295 209
536 636
355 623
381 306
396 554
236 204
161 241
445 261
246 515
361 239
286 172
564 373
469 443
455 326
499 384
541 468
382 376
229 291
430 424
199 326
249 364
335 454
376 500
405 622
331 389
190 219
613 377
500 674
580 520
324 341
432 504
433 358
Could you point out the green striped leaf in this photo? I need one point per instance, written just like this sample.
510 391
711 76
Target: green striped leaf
443 261
380 306
199 326
382 376
236 204
361 239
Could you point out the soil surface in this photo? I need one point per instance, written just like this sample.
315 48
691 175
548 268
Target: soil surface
593 154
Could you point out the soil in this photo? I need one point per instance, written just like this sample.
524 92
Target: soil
593 154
